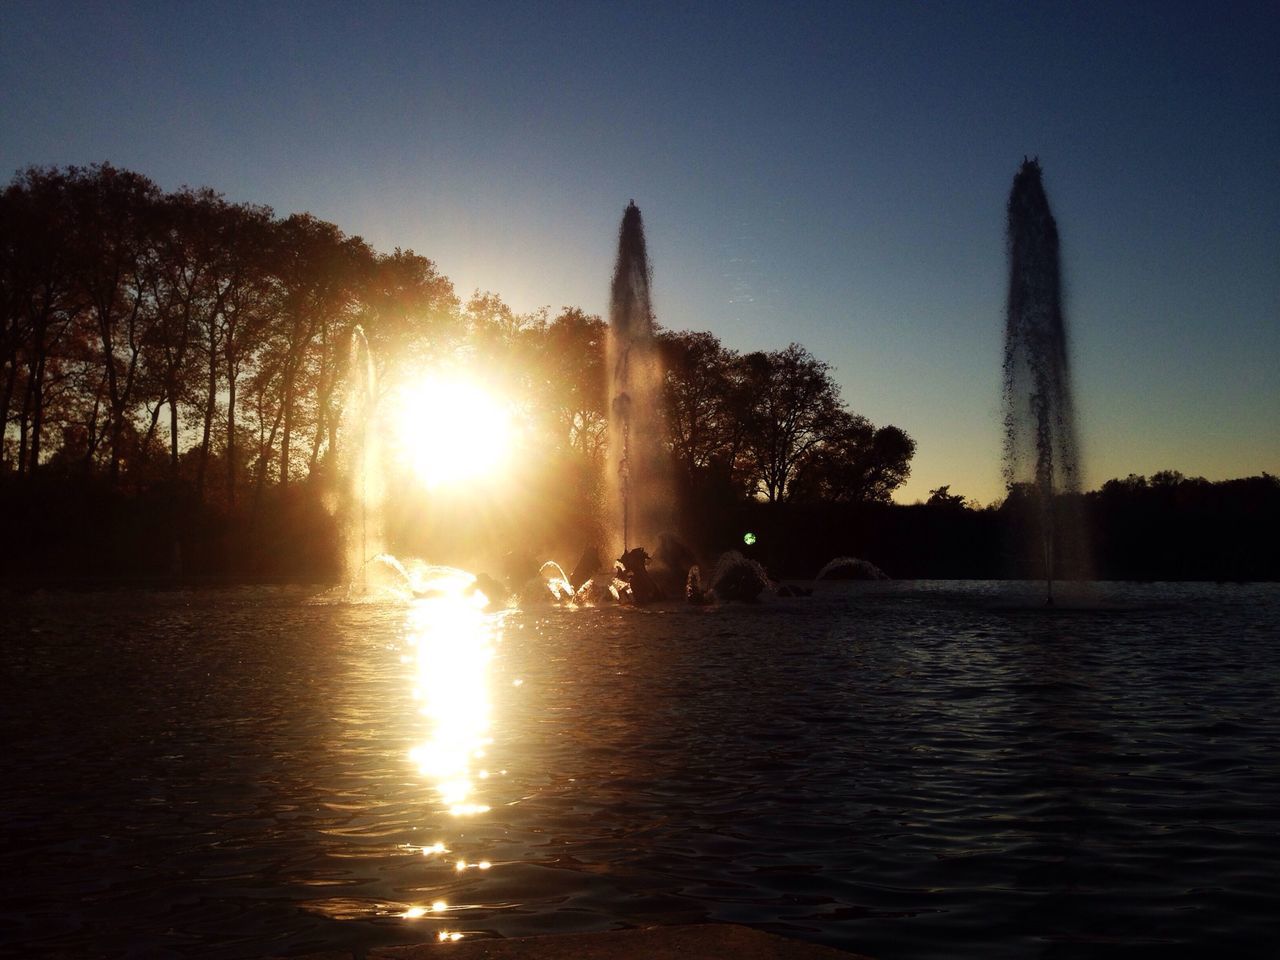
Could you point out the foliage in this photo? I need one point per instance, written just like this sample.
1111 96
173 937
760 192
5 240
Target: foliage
943 497
773 426
179 346
164 354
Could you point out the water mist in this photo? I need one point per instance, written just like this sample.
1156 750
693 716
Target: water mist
362 462
638 484
1040 452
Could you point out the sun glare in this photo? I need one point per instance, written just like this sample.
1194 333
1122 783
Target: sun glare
451 431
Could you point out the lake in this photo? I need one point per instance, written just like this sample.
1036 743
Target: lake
909 770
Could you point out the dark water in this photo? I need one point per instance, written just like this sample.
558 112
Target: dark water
905 770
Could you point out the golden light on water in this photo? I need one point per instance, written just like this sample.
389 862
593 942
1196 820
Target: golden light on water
452 638
451 430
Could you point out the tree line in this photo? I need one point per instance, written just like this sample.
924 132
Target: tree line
173 366
175 340
1165 527
123 304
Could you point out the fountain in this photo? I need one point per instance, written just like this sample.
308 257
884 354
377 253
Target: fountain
555 582
738 578
850 568
1040 454
639 484
362 463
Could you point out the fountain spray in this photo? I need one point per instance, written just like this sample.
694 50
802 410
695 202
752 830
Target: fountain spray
640 483
1039 422
357 417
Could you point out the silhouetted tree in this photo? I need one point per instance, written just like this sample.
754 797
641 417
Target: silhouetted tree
698 389
186 292
111 251
319 271
36 298
570 364
247 310
410 314
855 462
794 406
943 497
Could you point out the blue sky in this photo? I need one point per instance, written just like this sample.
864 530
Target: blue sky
833 174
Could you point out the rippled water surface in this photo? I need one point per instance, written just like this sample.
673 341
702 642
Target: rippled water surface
908 770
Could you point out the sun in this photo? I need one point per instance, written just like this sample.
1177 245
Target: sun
451 431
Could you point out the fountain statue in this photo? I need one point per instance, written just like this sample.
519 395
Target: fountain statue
639 485
1041 458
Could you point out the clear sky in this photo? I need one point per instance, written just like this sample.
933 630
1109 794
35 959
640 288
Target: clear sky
833 174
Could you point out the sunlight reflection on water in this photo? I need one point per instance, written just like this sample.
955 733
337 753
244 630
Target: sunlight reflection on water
454 643
453 639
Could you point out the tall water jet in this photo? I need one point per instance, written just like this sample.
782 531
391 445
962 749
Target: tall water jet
362 462
639 485
1041 457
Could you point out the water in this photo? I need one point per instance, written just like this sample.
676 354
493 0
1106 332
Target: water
361 462
909 770
1040 450
639 488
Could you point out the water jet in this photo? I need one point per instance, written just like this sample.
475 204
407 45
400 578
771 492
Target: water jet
1041 457
638 484
363 471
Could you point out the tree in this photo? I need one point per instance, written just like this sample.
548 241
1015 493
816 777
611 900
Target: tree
248 304
37 306
188 290
409 312
351 272
110 249
698 388
570 381
793 407
943 497
318 269
856 462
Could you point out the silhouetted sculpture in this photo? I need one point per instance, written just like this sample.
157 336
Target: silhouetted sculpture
635 572
693 591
